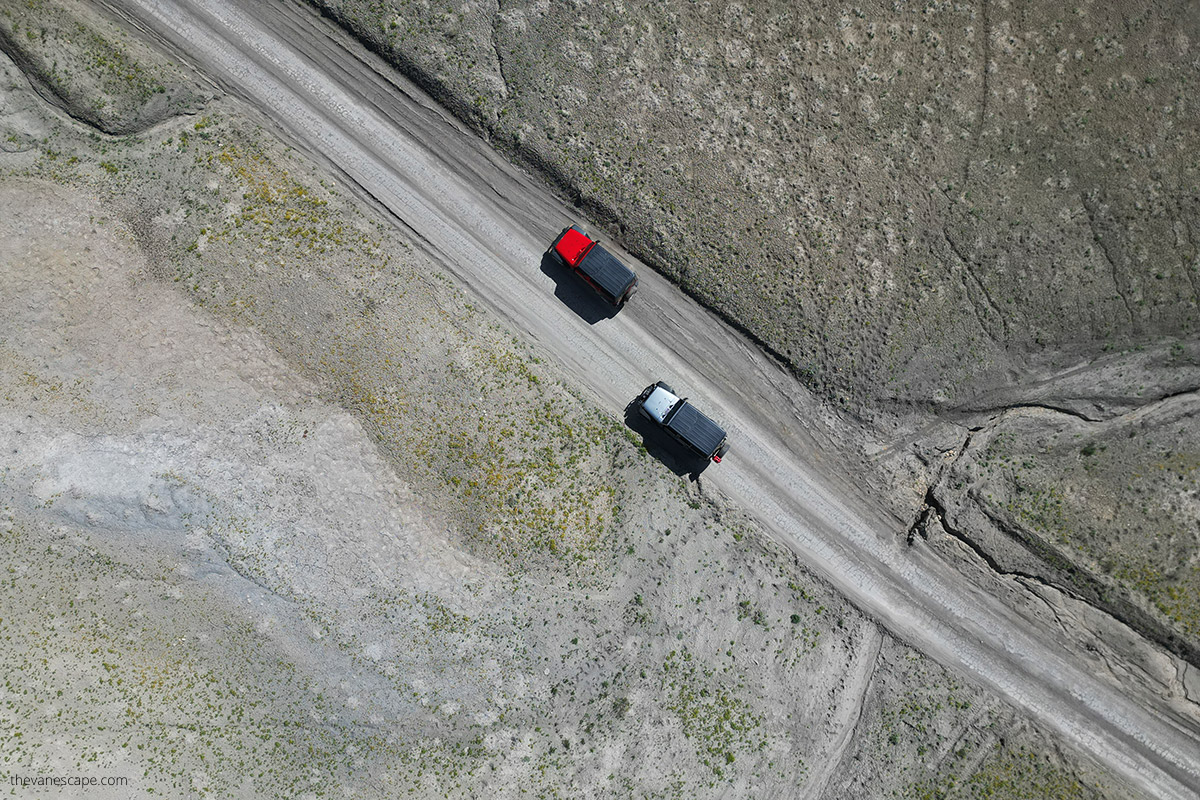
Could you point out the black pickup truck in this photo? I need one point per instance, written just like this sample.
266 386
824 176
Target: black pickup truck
611 279
683 421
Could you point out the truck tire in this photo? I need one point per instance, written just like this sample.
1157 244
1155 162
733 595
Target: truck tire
723 450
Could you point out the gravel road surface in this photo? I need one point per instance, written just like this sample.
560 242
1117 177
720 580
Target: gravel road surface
489 225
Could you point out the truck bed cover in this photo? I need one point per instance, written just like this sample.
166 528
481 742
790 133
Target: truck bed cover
606 271
704 434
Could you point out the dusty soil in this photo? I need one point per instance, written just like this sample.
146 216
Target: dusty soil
933 212
249 552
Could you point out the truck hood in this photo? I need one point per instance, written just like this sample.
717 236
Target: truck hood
659 403
572 245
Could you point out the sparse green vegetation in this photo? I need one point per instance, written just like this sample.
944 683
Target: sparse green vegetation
1010 773
1121 506
92 66
710 711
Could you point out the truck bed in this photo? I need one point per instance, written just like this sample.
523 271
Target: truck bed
606 271
696 429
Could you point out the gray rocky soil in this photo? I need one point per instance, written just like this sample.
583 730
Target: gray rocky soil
249 550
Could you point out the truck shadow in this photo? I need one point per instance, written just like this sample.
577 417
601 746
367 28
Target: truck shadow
662 447
576 295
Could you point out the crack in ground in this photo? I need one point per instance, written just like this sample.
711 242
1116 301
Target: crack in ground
496 50
1082 585
1033 590
920 525
992 307
1145 407
936 511
1187 268
1095 644
1181 670
985 12
1091 209
1070 412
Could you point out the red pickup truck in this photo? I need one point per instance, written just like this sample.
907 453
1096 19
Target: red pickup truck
611 279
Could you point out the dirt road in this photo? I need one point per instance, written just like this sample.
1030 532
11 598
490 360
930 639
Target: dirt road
489 225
